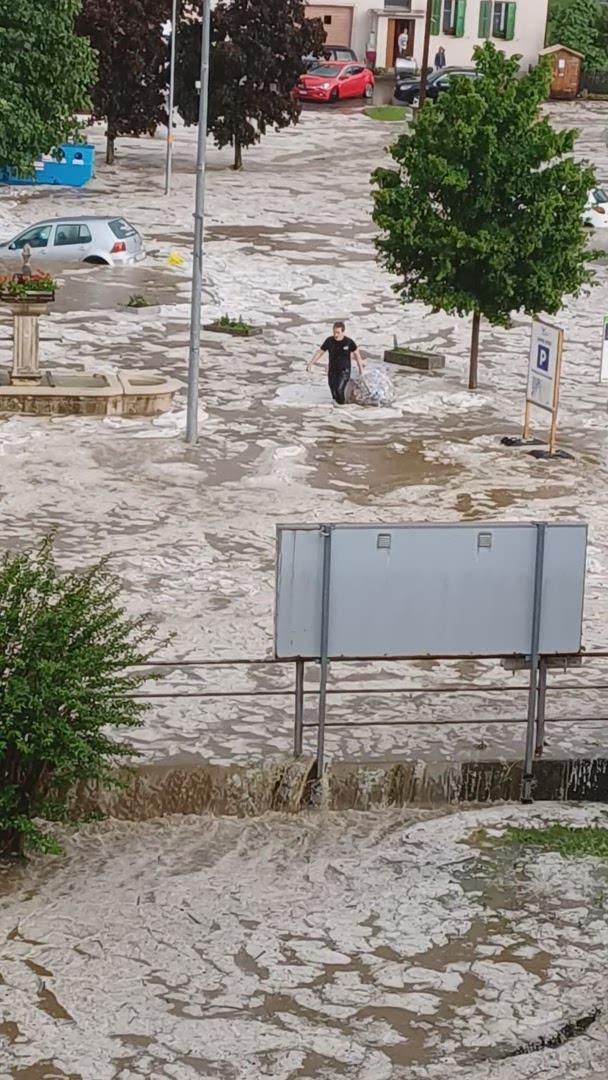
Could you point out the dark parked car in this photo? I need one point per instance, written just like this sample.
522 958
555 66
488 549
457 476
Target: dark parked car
341 53
407 91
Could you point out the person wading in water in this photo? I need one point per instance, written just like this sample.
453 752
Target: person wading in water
341 349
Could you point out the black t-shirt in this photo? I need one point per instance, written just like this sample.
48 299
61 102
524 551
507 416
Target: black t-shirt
339 351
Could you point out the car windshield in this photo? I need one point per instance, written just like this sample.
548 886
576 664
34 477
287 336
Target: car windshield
325 71
600 196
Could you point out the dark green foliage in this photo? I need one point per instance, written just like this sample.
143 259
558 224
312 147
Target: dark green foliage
45 75
65 689
482 213
256 57
576 24
129 93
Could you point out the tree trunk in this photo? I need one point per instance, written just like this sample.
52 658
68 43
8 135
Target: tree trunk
11 844
111 139
238 156
474 351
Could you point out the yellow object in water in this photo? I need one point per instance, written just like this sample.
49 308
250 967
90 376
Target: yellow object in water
175 259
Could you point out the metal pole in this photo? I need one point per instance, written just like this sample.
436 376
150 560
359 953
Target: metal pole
326 531
171 104
298 730
542 703
194 354
526 793
425 53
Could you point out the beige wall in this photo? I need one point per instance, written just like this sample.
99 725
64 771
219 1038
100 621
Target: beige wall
529 37
530 23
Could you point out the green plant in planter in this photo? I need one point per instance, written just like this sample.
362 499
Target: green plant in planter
238 325
21 287
137 301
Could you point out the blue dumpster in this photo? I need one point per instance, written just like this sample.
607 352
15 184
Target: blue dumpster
75 169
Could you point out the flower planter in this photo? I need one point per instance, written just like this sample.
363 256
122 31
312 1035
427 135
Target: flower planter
415 359
141 312
216 328
29 298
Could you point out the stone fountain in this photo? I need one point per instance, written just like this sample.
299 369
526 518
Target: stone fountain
30 391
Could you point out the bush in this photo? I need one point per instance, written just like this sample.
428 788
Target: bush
66 645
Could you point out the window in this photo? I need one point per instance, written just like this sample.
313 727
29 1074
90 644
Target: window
327 20
503 20
72 234
121 228
38 237
450 18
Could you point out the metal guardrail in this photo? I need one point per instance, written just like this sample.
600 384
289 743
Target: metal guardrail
536 720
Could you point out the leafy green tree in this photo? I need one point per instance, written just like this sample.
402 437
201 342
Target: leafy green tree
256 57
129 93
65 691
482 214
45 75
575 23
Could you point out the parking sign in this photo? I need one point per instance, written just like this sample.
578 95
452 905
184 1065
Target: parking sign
544 365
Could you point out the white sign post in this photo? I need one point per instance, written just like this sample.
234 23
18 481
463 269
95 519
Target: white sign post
544 374
604 364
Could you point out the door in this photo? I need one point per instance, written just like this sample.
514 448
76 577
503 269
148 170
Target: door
397 28
71 242
37 238
337 21
356 81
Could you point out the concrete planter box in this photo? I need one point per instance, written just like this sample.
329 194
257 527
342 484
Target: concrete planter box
215 328
141 312
414 358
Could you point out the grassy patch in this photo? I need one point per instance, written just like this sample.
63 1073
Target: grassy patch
392 113
563 839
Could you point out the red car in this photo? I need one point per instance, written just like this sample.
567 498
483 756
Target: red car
335 81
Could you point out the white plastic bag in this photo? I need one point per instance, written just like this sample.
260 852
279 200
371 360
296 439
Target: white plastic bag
374 387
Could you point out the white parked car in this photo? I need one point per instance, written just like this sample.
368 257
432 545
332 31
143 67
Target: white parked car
107 241
595 213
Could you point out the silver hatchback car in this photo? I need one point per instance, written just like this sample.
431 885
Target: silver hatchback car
107 241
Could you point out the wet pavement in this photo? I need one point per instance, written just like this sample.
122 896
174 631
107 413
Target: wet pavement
372 946
192 531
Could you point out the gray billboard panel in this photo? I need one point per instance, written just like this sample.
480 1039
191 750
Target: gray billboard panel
436 590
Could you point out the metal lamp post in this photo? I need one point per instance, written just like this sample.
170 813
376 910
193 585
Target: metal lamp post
199 215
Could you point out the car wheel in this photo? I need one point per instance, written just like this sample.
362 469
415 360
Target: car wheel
96 260
369 91
334 94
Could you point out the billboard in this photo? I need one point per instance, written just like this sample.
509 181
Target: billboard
444 590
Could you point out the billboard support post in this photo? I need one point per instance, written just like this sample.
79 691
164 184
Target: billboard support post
326 533
539 565
298 731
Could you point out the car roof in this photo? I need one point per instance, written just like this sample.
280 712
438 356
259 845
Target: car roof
74 218
455 70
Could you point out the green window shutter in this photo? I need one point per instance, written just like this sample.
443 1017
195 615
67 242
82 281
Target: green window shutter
510 24
461 10
485 18
436 17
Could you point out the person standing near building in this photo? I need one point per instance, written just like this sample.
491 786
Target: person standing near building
402 41
440 58
341 350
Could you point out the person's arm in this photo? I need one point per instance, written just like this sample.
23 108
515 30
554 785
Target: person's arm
358 360
315 360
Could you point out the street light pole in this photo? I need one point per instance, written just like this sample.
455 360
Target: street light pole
171 104
425 52
194 354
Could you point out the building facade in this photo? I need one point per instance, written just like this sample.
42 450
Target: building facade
516 26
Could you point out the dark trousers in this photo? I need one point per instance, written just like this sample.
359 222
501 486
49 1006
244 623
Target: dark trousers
337 378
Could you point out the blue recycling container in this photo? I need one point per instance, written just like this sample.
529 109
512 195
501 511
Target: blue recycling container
75 169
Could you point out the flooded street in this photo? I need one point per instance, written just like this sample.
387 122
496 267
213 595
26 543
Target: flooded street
192 531
373 946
